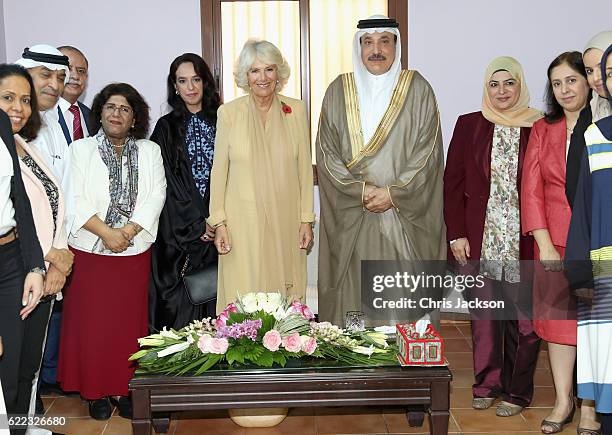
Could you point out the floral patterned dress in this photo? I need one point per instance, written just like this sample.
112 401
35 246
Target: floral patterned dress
502 229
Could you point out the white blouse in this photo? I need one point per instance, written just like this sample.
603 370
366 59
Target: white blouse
7 211
88 194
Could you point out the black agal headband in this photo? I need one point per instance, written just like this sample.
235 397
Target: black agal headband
45 58
377 22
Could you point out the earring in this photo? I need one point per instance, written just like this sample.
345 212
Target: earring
177 92
277 82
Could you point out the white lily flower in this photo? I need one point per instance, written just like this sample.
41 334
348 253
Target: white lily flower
364 350
178 347
148 341
170 334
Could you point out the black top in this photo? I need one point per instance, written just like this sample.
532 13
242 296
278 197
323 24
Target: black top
28 240
574 154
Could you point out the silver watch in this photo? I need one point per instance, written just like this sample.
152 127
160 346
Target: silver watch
39 270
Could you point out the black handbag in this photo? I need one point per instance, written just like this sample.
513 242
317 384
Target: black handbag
201 284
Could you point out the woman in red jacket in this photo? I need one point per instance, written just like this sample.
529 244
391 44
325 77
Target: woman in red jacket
545 213
482 214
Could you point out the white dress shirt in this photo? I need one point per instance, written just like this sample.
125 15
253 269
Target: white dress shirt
91 197
69 117
7 211
51 144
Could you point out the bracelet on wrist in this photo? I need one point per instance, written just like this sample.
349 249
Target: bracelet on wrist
39 270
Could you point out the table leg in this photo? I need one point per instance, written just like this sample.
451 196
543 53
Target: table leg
161 422
141 427
415 416
439 422
439 410
141 412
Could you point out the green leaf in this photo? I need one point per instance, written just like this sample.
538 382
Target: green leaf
236 318
235 354
279 358
267 323
266 359
193 365
212 360
149 357
252 353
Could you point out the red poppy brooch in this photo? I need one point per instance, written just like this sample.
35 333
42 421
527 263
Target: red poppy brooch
285 108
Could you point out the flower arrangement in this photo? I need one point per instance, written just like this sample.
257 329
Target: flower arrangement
261 329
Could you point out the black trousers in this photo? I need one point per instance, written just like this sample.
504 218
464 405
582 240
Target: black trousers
22 339
606 424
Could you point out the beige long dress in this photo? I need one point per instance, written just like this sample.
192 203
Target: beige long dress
262 188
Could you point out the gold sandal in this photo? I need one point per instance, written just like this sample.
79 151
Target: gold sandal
482 402
557 426
506 409
583 431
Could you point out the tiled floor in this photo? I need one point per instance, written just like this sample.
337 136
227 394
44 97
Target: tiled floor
464 419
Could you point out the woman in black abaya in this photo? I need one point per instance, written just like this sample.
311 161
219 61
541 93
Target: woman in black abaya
186 137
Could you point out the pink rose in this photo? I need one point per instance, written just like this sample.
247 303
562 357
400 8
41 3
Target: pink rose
309 344
207 344
292 343
272 340
219 346
204 343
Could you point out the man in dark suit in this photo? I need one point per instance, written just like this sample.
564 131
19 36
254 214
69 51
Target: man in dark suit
73 116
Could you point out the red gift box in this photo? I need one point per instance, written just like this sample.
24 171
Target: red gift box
416 350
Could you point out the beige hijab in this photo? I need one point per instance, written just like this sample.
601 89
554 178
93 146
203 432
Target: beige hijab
600 107
520 115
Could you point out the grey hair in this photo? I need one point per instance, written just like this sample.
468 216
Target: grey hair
266 52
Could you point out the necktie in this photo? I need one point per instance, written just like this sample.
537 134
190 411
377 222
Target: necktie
77 130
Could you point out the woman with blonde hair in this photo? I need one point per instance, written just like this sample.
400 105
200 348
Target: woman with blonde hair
261 182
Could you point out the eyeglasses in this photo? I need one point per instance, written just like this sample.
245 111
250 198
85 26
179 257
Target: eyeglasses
123 110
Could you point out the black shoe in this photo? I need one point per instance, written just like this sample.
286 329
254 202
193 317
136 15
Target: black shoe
40 406
100 409
50 389
124 405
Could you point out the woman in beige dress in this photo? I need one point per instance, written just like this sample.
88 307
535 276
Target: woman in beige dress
261 182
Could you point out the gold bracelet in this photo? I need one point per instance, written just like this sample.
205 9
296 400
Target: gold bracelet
391 199
363 196
137 227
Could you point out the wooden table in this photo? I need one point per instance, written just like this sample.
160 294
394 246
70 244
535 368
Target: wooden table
155 397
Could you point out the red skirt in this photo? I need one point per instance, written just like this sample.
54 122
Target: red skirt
105 312
553 302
